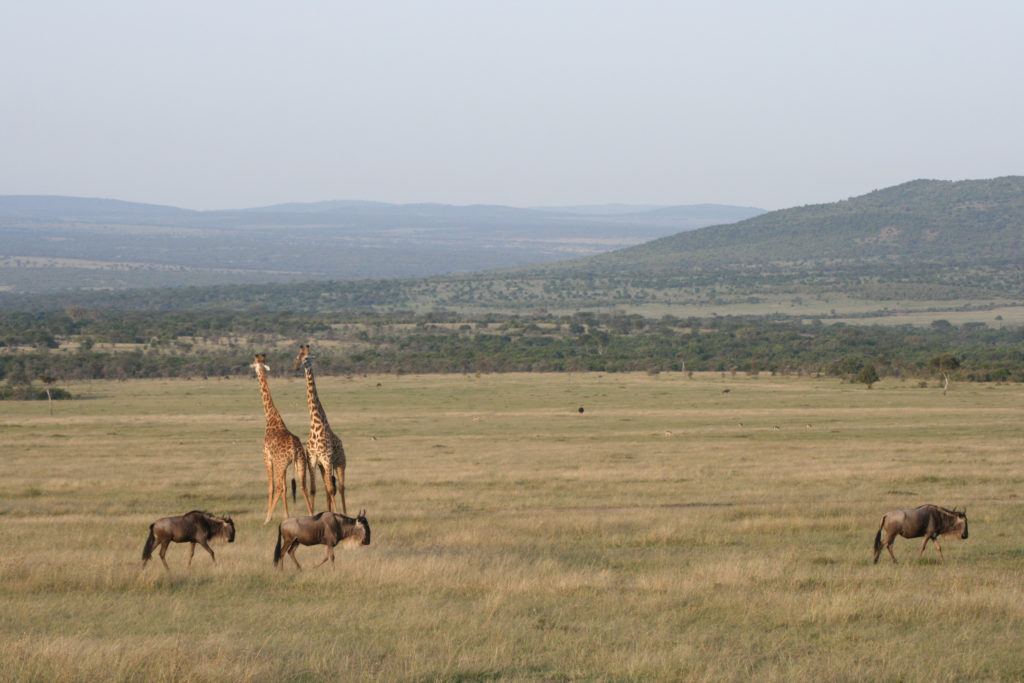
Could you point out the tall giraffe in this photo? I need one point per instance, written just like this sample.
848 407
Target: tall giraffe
324 446
281 448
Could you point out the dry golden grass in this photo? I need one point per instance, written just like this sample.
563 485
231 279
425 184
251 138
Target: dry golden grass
667 533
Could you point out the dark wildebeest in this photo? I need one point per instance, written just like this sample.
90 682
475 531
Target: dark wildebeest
930 521
327 528
194 527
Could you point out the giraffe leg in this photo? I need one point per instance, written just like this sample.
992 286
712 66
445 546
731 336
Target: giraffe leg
282 489
277 488
329 485
340 474
270 491
300 465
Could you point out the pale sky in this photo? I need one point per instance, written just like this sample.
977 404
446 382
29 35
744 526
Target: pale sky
240 103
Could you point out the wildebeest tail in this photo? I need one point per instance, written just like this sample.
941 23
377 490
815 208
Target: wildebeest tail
878 539
277 548
147 550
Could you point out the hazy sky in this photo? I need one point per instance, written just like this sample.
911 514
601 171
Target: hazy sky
238 103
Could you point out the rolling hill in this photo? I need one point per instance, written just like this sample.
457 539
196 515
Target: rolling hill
923 221
924 246
57 243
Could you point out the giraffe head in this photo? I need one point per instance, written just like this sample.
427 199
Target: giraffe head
260 364
303 360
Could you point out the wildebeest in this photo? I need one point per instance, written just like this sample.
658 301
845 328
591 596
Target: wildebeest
327 528
930 521
194 527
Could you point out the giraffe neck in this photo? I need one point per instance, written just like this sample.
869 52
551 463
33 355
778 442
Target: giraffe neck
269 409
317 418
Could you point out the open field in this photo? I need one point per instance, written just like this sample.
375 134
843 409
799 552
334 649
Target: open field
669 532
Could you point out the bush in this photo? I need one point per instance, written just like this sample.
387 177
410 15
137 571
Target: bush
867 375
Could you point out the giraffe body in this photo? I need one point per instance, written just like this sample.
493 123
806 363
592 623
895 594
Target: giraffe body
323 445
281 449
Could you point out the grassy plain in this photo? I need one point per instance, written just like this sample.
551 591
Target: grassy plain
669 532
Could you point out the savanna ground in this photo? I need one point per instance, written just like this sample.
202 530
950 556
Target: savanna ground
668 532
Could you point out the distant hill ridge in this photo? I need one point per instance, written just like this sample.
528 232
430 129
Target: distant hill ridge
922 244
96 210
50 243
937 221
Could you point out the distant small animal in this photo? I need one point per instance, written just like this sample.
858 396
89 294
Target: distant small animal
930 521
327 528
775 428
192 527
726 391
581 410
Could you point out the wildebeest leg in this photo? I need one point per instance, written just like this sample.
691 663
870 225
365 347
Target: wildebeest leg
888 546
291 552
329 555
939 547
926 539
191 552
163 551
208 549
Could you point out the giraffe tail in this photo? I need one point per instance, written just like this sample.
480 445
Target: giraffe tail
293 488
147 550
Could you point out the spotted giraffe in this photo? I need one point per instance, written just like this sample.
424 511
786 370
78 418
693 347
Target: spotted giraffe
324 446
281 448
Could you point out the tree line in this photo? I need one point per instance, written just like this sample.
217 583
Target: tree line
77 344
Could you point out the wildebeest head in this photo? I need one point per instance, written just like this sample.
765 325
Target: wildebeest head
953 523
219 527
961 518
361 523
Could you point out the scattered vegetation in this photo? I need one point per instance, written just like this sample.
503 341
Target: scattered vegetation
80 344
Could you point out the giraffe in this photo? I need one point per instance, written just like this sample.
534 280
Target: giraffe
324 446
281 448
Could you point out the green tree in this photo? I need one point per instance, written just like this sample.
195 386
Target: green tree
867 375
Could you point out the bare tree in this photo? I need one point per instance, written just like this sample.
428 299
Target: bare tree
47 381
